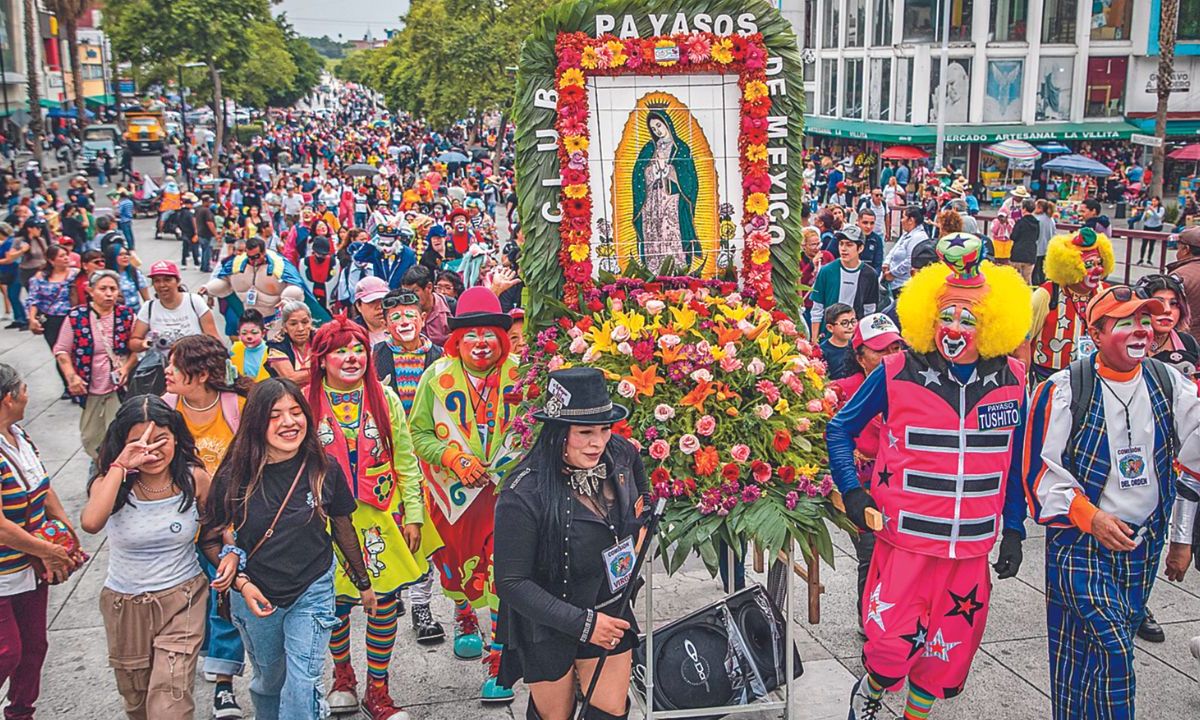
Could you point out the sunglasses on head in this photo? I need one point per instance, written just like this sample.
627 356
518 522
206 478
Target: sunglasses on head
1124 293
404 298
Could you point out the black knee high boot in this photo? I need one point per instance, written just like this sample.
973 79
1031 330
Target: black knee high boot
594 714
531 711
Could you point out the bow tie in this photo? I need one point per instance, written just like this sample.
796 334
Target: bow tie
587 482
338 398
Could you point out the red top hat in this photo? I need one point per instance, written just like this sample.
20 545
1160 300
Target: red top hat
479 307
459 211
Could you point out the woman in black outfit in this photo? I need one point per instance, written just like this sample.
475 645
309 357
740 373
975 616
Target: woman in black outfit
580 491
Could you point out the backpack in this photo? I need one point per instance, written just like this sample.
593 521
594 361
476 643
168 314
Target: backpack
1083 384
149 377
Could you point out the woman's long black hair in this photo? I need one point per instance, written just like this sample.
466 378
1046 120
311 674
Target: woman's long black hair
241 471
149 408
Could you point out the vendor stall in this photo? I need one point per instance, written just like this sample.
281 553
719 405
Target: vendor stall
1012 163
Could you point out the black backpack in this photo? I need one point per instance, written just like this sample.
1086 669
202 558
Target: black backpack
1083 384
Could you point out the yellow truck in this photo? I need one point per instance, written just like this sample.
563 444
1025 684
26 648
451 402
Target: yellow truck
145 131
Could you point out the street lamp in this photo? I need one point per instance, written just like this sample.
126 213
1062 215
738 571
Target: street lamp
187 156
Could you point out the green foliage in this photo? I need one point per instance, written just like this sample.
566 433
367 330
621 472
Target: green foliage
245 133
326 47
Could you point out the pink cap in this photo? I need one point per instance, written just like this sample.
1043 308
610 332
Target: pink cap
370 289
164 268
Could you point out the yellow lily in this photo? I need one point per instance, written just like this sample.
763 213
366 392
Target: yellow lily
600 336
685 318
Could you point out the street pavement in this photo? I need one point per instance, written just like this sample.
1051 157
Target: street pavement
1010 678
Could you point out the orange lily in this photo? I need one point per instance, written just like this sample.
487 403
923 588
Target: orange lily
644 380
727 335
670 354
696 398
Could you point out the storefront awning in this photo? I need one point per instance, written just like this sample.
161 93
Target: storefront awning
100 100
1175 128
927 134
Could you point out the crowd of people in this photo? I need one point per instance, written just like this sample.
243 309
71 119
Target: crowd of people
324 423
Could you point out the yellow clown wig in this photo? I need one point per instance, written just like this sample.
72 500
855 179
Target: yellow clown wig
1004 313
1064 256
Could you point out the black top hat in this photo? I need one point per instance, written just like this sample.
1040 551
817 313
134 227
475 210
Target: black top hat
579 396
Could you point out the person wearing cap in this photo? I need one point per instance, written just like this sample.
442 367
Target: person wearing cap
1076 266
580 492
462 430
1104 439
848 280
173 314
1187 269
368 301
951 406
185 223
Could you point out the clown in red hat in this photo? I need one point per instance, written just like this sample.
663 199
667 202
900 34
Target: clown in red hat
462 432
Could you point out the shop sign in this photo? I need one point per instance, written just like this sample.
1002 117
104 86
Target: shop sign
1147 140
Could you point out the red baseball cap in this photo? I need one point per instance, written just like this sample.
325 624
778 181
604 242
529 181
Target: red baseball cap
876 331
164 268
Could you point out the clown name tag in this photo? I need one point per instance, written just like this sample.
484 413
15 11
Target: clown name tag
999 415
618 564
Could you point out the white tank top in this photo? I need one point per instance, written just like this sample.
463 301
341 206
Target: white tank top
151 546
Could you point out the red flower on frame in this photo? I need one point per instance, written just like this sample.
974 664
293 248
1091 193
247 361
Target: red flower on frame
787 474
730 472
659 476
571 94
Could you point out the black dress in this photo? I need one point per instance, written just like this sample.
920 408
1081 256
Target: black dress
544 630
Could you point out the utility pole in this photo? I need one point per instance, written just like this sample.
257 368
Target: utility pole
939 155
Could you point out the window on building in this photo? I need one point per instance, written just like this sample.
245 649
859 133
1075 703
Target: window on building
958 91
856 23
918 20
92 72
879 94
881 15
903 90
810 71
1189 20
1056 76
810 101
810 24
923 20
852 97
829 87
1058 21
8 21
1106 86
1009 20
829 38
1002 91
1111 19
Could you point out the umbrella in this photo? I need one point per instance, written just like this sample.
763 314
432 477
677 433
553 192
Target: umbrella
1078 165
1014 150
405 148
450 157
1187 152
1054 148
904 152
361 170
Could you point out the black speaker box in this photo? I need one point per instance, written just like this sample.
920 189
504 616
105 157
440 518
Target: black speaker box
728 653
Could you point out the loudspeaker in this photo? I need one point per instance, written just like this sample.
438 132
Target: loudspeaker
728 653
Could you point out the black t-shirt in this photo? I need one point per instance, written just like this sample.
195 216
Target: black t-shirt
184 221
203 217
300 550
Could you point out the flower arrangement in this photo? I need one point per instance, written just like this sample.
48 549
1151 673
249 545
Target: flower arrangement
728 403
580 55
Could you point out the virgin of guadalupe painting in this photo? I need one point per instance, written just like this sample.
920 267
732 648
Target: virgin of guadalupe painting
664 190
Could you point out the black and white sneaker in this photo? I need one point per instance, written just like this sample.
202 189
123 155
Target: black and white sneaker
225 705
428 630
862 705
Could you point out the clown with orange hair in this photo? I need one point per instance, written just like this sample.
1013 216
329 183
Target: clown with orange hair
462 430
945 485
1076 266
362 426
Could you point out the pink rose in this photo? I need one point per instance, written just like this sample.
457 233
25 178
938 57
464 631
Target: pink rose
756 366
663 412
815 406
706 425
786 327
803 425
654 307
668 341
740 452
730 364
689 444
620 333
555 363
763 411
702 375
625 348
626 389
616 304
578 346
659 449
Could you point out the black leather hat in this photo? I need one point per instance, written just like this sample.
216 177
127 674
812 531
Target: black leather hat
579 396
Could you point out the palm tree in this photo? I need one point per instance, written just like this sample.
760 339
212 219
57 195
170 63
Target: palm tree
68 13
1167 30
34 81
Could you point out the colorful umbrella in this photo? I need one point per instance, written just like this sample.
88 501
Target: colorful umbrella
1054 148
1078 165
904 152
1187 152
1014 150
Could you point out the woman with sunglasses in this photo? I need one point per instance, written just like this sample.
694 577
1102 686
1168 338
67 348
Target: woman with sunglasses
135 288
1170 336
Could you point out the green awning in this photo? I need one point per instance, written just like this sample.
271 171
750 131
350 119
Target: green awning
1175 128
927 134
48 103
100 100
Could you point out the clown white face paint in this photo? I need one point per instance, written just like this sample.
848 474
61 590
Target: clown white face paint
404 324
955 335
1093 270
1124 342
480 349
345 367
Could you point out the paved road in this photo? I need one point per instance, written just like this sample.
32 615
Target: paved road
1010 678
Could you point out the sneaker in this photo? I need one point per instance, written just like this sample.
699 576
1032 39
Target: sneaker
862 705
1194 646
225 705
493 692
378 703
468 644
208 677
429 631
12 325
1150 630
343 696
400 609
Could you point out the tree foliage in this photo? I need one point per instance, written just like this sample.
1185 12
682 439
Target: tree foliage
451 60
327 47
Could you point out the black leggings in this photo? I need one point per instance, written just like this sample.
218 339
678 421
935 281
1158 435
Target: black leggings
51 326
1148 243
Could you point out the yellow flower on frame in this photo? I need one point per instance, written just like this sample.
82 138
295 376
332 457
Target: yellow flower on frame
666 44
590 58
757 203
722 51
571 76
618 52
579 253
755 89
575 143
685 318
756 152
576 191
760 256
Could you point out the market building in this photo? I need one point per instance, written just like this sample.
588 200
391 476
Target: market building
1063 71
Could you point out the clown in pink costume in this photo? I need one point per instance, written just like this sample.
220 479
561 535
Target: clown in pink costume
944 482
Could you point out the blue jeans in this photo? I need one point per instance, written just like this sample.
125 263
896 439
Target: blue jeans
287 651
14 298
126 227
223 651
206 253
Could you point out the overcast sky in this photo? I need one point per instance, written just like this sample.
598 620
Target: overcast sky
349 18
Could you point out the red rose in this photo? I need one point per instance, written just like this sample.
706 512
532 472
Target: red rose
532 392
761 471
595 306
660 476
730 472
782 440
550 347
585 323
622 428
787 474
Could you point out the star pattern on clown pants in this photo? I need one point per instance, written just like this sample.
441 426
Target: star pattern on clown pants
939 648
965 606
876 607
916 639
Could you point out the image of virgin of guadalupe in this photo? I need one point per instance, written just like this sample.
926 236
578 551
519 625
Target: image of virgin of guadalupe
665 189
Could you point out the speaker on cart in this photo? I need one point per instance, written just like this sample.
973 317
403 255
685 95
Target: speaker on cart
728 653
